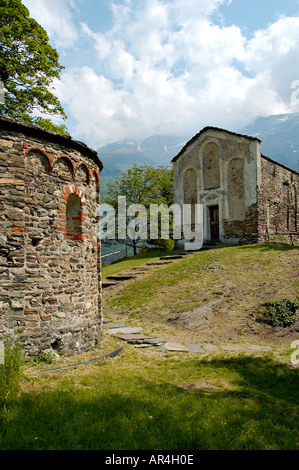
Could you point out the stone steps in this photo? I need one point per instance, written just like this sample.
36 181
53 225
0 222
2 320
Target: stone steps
136 273
120 277
134 335
140 268
159 263
115 279
172 257
106 284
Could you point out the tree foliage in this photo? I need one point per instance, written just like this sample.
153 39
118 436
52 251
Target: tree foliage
144 185
28 66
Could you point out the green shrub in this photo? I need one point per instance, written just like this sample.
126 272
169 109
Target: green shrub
10 373
279 312
44 357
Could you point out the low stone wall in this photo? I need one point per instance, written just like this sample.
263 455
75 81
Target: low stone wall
244 231
50 268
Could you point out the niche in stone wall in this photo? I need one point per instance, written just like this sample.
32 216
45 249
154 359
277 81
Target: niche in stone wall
82 174
74 229
38 198
37 175
63 168
211 171
236 203
190 191
37 162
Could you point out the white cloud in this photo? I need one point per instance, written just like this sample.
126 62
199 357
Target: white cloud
165 66
55 16
274 52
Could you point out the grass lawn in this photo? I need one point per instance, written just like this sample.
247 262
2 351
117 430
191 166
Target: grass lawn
160 400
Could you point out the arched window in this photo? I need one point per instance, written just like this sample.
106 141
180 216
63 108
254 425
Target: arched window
74 218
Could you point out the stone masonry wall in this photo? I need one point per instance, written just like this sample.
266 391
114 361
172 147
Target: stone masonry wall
50 270
225 167
278 202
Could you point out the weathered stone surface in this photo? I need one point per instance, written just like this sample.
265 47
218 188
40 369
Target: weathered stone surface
246 196
132 337
231 347
128 329
158 263
155 341
210 348
136 273
199 318
140 268
42 213
48 244
255 347
106 284
195 348
173 346
113 325
120 277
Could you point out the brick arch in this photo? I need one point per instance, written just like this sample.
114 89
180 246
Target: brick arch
81 216
50 158
87 170
68 159
94 172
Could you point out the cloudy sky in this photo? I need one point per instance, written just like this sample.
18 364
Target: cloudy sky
135 68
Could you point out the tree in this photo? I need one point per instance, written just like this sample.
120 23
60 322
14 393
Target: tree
28 65
143 185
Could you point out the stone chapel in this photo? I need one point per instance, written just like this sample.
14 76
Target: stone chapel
246 196
50 254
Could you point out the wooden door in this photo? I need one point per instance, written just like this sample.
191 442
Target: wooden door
214 222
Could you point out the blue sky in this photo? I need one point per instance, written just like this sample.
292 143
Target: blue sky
135 68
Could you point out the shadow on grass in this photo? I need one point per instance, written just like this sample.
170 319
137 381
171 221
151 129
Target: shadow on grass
133 411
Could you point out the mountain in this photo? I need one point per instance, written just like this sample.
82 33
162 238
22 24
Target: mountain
279 135
120 156
154 150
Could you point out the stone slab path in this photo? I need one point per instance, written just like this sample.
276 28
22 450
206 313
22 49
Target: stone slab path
133 335
115 279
